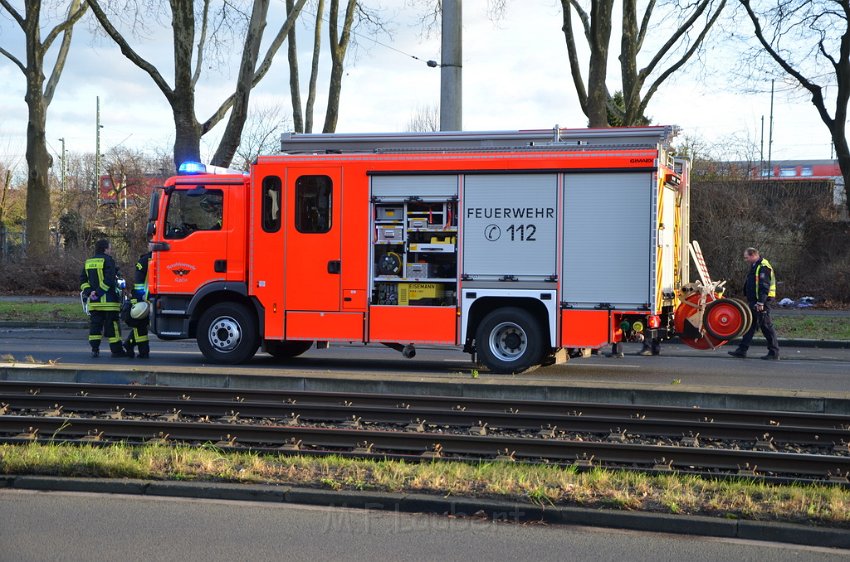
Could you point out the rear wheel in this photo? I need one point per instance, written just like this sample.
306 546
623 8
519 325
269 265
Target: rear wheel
509 340
287 349
227 333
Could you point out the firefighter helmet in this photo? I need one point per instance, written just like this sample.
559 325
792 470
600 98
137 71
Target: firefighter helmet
140 310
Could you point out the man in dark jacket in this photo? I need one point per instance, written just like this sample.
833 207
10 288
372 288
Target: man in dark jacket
139 326
760 290
99 286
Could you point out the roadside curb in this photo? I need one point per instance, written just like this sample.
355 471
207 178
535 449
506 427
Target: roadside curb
496 510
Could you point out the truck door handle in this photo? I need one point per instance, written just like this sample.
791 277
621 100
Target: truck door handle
220 266
334 266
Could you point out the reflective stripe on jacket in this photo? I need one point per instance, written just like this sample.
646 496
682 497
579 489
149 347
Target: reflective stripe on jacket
771 291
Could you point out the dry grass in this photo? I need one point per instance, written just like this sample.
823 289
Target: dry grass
539 484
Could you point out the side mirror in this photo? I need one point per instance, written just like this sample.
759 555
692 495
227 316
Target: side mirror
151 230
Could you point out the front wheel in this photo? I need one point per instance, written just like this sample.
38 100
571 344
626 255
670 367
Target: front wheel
227 333
509 340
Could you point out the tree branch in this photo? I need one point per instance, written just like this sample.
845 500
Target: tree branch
73 16
219 114
583 16
201 42
827 55
671 42
12 58
678 64
128 51
346 26
13 12
575 69
817 93
65 25
644 24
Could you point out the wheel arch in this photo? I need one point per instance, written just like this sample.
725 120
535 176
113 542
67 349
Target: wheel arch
483 305
221 292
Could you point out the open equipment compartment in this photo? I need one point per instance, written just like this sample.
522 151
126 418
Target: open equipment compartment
414 241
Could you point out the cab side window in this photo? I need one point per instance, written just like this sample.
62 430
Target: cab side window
193 210
313 204
271 203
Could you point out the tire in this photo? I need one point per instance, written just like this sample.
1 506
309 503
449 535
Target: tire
509 340
227 333
725 319
287 349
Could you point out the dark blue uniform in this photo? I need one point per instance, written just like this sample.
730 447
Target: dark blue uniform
99 284
138 327
760 289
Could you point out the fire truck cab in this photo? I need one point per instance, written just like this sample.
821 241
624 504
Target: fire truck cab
511 245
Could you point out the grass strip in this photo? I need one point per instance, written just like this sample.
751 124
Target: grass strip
813 327
35 311
537 484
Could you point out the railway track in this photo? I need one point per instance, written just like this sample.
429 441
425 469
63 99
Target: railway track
803 446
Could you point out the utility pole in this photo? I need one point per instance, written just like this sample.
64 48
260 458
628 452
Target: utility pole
451 88
97 152
761 149
770 136
62 170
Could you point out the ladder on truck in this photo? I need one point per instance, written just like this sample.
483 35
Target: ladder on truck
448 141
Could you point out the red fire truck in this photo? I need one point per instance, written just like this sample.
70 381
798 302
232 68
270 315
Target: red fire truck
511 245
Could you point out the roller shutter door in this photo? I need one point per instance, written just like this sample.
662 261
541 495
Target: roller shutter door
607 245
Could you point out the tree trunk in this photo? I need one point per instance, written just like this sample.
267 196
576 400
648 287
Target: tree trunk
314 67
187 138
239 112
597 92
38 159
842 152
339 45
294 85
38 166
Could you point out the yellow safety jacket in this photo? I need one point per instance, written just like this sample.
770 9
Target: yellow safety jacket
771 293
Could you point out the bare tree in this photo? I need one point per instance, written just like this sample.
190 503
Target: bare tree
181 96
38 97
810 41
639 83
425 118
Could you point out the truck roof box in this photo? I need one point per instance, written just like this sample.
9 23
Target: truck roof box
449 141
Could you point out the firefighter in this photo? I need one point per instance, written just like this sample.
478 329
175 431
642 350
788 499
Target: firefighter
99 287
136 317
760 290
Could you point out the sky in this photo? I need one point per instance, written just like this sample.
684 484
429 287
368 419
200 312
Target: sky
515 76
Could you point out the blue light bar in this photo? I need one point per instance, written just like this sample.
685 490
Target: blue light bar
191 168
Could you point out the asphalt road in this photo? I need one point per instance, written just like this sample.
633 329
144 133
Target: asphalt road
43 526
802 369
